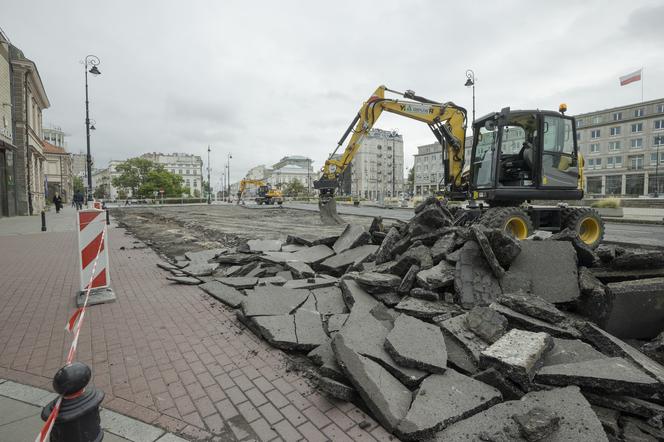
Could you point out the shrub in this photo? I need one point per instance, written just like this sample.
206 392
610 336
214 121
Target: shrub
606 203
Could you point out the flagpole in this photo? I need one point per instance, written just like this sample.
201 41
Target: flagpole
642 84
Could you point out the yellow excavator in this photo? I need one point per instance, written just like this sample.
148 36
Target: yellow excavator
518 157
265 194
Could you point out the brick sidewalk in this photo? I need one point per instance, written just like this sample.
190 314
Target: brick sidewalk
165 354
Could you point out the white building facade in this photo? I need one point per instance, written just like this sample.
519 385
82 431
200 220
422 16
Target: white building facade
377 168
189 166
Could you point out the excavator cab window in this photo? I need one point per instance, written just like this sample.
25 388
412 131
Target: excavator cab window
518 147
559 160
483 155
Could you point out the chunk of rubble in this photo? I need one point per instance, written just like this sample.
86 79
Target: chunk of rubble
310 283
440 276
636 430
578 422
309 330
487 323
655 348
596 301
300 269
627 404
205 255
329 300
537 423
290 248
398 266
565 351
323 356
416 344
422 254
166 266
390 299
533 306
377 282
273 280
609 419
312 255
239 282
551 266
386 397
610 375
354 235
518 355
442 400
639 259
224 293
286 274
485 246
247 268
443 246
235 258
337 389
198 268
585 254
273 300
385 251
424 294
516 319
504 246
474 283
356 298
429 218
463 346
187 280
278 330
338 264
408 280
637 310
264 245
336 322
311 240
423 309
608 274
508 389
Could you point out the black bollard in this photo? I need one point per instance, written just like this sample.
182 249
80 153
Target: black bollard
43 216
108 218
78 420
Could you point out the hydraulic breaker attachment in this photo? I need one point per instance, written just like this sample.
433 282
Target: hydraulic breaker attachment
327 207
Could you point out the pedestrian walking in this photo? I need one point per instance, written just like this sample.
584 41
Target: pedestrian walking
57 201
78 199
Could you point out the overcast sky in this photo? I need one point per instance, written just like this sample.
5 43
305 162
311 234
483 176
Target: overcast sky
265 79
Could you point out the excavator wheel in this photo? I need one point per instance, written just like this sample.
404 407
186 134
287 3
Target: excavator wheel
586 223
327 208
512 220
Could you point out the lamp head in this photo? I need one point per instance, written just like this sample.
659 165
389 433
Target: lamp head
94 71
92 127
469 82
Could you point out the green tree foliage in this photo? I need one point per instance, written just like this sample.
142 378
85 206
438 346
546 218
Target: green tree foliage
78 184
294 188
101 192
411 178
144 178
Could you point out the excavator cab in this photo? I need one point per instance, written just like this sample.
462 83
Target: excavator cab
525 155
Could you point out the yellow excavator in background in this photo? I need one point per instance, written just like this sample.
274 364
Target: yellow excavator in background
517 157
264 195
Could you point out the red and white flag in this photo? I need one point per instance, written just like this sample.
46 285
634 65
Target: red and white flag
631 77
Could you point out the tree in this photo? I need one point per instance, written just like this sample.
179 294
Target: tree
411 179
144 178
122 194
78 184
294 188
101 192
197 193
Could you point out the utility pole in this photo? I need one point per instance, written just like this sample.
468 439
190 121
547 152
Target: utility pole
228 175
209 184
90 60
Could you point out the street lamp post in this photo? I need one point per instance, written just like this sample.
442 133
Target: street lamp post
657 171
470 81
90 60
209 185
228 175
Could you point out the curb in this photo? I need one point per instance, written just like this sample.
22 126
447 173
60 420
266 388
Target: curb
614 220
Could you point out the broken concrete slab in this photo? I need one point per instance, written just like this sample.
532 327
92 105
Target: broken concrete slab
229 271
565 351
337 389
286 274
386 397
300 270
278 330
336 322
199 268
609 419
290 248
432 217
416 344
437 277
377 282
187 280
612 376
312 255
639 259
424 294
508 389
639 431
487 323
485 246
239 282
390 299
443 246
596 302
221 292
463 346
236 258
443 399
424 309
324 357
354 235
408 280
537 423
312 240
561 330
578 422
338 264
309 330
607 274
532 305
475 284
264 245
637 310
356 298
205 255
585 254
273 300
504 246
421 253
247 268
655 348
385 251
398 266
551 266
518 354
310 283
274 280
329 300
626 404
612 346
167 266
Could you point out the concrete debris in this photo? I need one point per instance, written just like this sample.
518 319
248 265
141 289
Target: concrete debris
516 319
224 293
286 274
337 389
188 280
398 266
246 269
637 310
235 258
567 351
609 419
310 283
239 282
311 240
357 300
278 330
437 277
166 266
309 329
312 255
422 255
336 322
377 282
518 355
486 323
408 280
390 299
607 252
273 300
444 399
577 420
329 300
338 264
385 251
487 250
532 305
416 344
205 255
537 424
504 246
290 248
474 283
354 235
443 246
274 280
463 346
639 259
508 389
655 348
423 309
300 270
324 357
264 245
424 294
200 268
586 255
627 404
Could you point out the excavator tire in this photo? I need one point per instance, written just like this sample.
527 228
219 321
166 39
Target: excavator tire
586 222
512 220
328 212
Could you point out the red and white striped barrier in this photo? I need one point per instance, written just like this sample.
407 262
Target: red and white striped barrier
91 224
96 205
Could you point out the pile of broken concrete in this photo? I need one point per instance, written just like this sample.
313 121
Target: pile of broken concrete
459 333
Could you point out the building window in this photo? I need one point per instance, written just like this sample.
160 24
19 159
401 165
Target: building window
617 161
595 134
636 162
578 136
615 131
634 184
617 116
659 124
594 185
195 183
655 183
613 185
379 147
638 112
389 147
660 108
637 127
594 148
658 141
579 123
595 163
636 143
609 163
614 145
596 120
653 158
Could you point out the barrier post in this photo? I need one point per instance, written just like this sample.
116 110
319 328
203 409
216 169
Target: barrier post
43 220
91 241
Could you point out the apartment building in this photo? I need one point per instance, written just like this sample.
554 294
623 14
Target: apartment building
188 165
376 171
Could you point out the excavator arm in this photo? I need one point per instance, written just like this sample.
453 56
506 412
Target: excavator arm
446 120
243 185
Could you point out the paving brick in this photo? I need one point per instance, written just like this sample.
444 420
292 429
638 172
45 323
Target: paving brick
311 433
287 431
262 430
278 399
317 417
227 409
270 413
248 411
335 433
256 397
